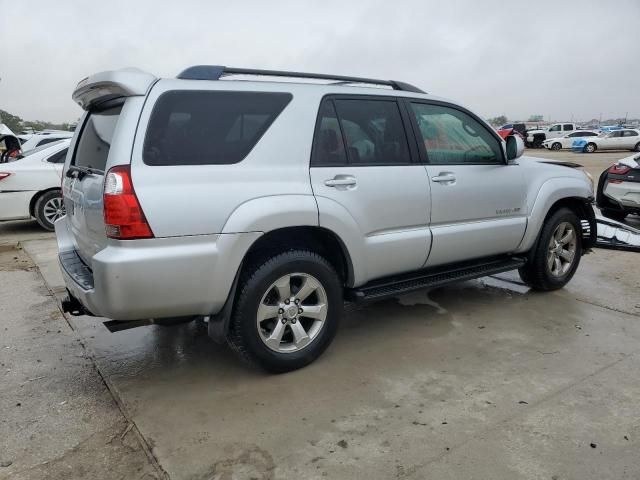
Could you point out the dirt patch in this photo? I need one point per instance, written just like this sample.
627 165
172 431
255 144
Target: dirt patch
13 259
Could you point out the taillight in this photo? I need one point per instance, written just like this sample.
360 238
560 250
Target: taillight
4 175
619 169
123 215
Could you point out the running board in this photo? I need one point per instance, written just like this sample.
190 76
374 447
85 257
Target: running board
430 278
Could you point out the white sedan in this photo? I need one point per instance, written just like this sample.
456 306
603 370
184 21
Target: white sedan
566 141
30 185
625 139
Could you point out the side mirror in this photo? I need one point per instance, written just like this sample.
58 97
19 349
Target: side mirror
515 147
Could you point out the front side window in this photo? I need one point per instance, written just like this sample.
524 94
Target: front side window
373 132
555 128
190 127
453 137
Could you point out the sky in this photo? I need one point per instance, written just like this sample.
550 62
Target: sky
561 59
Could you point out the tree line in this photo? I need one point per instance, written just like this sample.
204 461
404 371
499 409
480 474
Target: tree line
17 124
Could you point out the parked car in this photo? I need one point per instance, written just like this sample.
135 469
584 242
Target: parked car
619 189
566 141
30 185
625 139
42 138
521 128
261 205
536 137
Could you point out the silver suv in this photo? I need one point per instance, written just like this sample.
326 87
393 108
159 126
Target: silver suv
260 201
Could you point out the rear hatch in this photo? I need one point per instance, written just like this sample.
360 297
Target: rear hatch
113 101
84 181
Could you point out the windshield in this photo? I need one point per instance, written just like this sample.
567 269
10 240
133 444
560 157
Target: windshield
40 148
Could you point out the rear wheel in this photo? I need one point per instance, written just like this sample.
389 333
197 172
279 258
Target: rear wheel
557 253
590 148
48 208
287 312
614 214
556 146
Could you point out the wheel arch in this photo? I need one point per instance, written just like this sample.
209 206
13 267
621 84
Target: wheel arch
36 196
554 194
321 240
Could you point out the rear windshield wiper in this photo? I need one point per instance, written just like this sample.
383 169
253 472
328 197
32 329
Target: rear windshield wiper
74 171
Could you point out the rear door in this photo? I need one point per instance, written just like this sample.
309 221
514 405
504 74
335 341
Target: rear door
363 171
84 180
630 139
477 200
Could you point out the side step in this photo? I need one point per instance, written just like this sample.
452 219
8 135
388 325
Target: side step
430 278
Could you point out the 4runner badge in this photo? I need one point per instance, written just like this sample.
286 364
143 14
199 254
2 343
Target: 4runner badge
507 211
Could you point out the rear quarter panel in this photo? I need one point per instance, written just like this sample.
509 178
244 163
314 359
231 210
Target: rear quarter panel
247 196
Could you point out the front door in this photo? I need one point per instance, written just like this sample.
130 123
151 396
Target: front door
478 204
365 179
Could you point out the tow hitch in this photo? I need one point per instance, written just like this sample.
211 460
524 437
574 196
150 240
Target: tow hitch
72 306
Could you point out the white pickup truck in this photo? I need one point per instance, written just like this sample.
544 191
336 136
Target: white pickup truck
535 137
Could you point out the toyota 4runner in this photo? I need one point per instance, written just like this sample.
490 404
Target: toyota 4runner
261 201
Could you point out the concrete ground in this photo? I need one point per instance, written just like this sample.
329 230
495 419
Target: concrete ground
480 380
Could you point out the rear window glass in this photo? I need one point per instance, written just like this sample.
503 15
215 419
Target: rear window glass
95 139
209 128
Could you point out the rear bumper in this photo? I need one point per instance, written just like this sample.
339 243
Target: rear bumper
155 278
626 194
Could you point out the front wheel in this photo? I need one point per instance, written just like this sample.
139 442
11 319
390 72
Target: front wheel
556 146
637 147
557 253
287 312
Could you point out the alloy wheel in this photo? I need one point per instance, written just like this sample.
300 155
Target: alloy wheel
562 249
292 312
53 209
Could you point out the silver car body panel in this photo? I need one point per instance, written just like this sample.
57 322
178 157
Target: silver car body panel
206 217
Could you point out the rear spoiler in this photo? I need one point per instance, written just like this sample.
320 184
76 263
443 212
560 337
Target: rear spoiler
105 86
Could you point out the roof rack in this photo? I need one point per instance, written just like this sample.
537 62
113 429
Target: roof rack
215 72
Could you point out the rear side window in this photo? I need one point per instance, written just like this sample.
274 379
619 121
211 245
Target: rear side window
46 141
373 132
328 146
58 157
95 139
209 128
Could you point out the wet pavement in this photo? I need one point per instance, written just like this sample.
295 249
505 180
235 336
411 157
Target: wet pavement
480 380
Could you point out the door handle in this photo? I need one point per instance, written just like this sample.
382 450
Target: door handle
444 177
341 181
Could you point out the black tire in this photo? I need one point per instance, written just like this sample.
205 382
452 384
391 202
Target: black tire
42 208
614 214
590 148
556 146
637 147
244 336
536 272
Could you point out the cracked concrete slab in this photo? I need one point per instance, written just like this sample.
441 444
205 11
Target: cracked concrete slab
58 419
479 380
